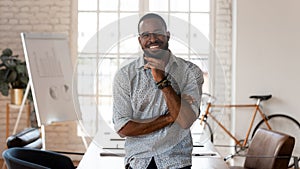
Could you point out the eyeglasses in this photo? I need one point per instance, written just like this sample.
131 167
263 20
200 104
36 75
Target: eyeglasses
147 35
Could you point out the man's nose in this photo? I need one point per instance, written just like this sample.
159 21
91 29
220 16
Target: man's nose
153 37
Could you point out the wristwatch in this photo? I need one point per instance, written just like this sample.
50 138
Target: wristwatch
163 84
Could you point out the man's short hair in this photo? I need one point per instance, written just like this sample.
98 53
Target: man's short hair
150 16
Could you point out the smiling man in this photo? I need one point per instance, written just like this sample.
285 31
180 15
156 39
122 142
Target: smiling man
156 100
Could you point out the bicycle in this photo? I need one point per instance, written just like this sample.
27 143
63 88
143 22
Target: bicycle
278 122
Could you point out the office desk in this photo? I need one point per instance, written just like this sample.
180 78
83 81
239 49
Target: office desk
202 159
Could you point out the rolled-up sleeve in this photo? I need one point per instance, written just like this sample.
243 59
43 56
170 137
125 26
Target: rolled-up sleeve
193 86
122 110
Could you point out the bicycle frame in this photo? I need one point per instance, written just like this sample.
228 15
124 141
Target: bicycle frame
256 109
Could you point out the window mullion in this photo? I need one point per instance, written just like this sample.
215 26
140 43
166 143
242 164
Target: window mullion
144 7
119 32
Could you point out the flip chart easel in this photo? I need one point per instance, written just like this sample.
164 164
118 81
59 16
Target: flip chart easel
50 72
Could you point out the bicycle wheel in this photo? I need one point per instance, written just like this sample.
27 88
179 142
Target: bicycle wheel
285 124
201 133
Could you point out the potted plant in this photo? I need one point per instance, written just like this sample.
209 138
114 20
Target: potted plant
13 75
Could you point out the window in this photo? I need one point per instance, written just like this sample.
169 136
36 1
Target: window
107 37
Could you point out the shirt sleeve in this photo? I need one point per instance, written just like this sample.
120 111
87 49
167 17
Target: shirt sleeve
194 81
122 110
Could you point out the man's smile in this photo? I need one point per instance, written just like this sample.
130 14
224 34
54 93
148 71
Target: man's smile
154 47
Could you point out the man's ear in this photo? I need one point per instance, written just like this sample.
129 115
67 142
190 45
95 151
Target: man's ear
139 38
168 35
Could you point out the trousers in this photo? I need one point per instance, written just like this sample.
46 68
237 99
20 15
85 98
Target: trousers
152 165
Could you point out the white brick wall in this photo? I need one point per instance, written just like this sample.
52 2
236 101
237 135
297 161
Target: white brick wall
59 16
37 16
223 45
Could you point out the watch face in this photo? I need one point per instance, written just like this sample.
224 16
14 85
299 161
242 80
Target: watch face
163 84
160 86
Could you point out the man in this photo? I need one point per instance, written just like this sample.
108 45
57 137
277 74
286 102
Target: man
156 100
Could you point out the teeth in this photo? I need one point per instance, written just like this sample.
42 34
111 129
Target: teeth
152 47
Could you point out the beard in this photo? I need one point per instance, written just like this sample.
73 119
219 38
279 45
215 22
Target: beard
158 53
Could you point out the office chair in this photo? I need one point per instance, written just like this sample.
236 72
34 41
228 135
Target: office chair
28 138
268 150
29 158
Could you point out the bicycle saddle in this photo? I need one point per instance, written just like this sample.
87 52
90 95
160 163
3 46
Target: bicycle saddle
261 97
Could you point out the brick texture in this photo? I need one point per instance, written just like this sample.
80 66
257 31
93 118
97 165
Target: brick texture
223 46
37 16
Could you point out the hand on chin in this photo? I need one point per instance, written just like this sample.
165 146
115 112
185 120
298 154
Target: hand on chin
155 53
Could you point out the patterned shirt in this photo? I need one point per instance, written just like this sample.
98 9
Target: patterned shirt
136 97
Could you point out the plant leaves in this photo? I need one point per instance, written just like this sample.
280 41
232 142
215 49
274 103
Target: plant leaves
7 52
21 69
2 75
13 71
12 76
24 79
10 63
4 89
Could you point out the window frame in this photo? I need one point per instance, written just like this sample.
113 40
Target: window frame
144 8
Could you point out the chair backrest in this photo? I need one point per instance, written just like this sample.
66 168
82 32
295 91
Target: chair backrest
269 150
29 158
30 138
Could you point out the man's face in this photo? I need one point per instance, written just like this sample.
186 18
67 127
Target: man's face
153 38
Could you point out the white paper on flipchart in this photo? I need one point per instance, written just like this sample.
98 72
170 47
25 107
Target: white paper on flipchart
51 74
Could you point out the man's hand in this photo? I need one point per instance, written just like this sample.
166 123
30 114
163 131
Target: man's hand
157 67
188 98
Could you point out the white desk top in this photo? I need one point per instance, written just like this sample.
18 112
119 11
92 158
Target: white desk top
202 159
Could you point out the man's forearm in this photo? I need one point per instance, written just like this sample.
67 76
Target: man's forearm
136 128
179 108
